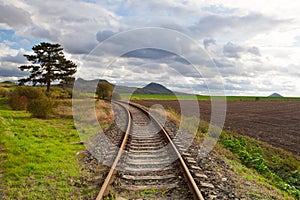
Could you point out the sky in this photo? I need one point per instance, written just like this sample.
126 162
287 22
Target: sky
253 46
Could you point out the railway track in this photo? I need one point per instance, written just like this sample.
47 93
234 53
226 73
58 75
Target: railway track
148 160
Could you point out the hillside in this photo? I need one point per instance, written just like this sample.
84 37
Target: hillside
87 85
275 95
154 88
151 88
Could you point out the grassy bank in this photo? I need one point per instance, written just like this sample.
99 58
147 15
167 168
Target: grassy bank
37 157
270 172
276 167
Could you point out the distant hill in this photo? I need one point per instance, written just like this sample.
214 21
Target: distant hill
7 84
151 88
154 88
275 95
87 85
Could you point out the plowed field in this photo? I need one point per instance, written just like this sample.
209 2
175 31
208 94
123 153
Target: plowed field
275 122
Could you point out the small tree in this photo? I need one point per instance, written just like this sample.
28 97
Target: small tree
104 90
48 64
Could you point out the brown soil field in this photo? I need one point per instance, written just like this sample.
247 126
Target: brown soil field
274 122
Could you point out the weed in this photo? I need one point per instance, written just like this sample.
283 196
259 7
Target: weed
150 193
283 176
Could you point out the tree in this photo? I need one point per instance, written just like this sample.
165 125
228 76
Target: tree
104 90
48 64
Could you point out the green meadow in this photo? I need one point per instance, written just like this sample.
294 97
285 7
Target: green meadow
37 157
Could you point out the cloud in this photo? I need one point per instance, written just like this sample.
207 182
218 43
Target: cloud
232 51
14 17
246 40
79 44
19 58
234 26
208 42
9 69
103 35
149 53
50 34
235 51
64 24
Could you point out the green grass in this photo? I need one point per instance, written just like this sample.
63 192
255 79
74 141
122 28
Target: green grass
155 96
200 97
253 98
37 158
279 168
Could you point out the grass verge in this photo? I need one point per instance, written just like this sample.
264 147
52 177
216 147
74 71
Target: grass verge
269 169
278 167
38 159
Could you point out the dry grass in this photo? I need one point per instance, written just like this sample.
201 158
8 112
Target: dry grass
63 108
104 112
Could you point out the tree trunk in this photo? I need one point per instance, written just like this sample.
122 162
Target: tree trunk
48 85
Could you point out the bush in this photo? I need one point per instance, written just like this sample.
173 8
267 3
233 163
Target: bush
41 107
32 99
22 95
70 93
3 92
59 93
18 102
104 90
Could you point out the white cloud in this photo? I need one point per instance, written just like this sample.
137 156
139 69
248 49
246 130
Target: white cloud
255 44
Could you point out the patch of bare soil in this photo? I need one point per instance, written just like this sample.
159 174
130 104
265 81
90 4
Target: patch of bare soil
274 122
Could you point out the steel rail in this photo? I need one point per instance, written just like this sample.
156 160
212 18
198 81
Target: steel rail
191 182
111 172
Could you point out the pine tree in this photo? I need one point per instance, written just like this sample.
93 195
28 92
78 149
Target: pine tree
48 64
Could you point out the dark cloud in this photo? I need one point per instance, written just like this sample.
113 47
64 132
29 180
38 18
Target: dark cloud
208 42
223 63
12 72
79 44
235 51
14 17
19 58
49 34
149 53
232 51
103 35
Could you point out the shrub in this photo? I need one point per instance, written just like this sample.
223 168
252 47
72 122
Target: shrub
22 95
59 93
41 107
69 93
3 92
18 102
55 92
